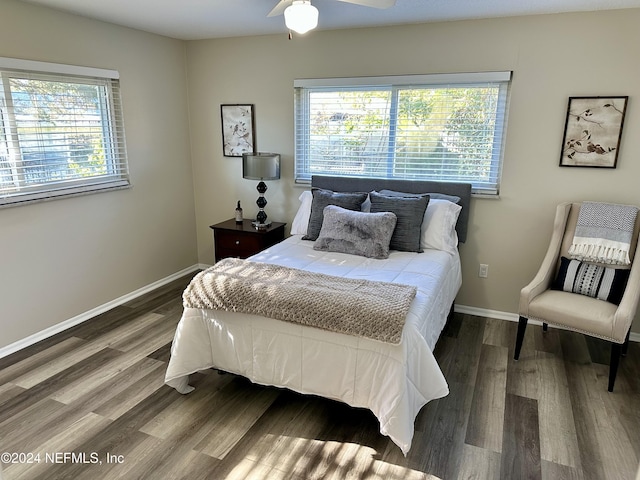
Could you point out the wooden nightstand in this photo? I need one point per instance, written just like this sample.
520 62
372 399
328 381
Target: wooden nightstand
243 240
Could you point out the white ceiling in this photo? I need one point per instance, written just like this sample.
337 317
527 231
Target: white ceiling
200 19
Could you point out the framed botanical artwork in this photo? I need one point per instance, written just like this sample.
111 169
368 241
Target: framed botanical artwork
592 131
238 130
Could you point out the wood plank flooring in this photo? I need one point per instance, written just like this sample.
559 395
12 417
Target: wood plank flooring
92 404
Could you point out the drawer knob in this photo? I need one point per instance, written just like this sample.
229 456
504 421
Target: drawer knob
237 242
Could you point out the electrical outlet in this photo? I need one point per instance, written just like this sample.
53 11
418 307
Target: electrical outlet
484 270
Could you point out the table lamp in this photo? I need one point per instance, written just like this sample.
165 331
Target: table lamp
261 166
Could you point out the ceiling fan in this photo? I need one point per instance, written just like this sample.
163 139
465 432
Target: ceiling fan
300 16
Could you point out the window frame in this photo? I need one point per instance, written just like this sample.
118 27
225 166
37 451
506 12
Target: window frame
302 124
111 125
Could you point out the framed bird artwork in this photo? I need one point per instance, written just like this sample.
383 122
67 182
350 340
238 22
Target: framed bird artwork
592 131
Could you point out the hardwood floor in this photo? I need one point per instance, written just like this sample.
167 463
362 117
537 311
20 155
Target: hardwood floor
92 404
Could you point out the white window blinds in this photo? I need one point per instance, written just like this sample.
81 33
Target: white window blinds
61 131
439 127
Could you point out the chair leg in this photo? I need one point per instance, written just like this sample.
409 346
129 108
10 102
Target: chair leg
522 326
625 345
616 348
545 327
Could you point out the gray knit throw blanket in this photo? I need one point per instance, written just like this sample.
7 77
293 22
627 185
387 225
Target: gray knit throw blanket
358 307
603 233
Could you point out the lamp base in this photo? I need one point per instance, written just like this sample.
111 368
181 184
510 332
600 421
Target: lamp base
261 226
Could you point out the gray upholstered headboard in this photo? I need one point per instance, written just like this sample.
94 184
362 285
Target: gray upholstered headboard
359 184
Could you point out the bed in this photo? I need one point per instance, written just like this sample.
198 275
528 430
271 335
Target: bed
393 380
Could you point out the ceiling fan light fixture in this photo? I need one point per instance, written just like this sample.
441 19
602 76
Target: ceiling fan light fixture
301 16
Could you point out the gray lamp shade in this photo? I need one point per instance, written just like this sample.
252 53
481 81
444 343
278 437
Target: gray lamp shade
261 166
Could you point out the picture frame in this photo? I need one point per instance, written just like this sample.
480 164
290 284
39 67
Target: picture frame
238 129
592 131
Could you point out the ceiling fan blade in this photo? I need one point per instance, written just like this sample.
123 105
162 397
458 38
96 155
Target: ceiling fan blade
280 8
372 3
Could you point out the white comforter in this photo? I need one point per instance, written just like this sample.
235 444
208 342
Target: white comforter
393 381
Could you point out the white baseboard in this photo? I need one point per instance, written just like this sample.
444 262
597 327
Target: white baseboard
83 317
483 312
512 317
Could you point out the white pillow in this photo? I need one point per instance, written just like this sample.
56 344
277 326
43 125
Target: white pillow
438 229
301 220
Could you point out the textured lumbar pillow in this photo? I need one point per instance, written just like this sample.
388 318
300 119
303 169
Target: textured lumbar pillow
357 233
604 283
322 198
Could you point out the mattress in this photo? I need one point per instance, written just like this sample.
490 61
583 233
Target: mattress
394 381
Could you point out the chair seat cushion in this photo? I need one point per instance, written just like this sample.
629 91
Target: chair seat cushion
576 312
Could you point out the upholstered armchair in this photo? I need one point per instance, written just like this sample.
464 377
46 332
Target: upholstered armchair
590 316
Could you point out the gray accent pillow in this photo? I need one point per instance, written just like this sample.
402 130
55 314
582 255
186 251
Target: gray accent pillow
323 198
356 233
410 212
433 195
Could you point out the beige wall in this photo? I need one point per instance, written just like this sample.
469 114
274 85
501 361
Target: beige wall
552 57
62 258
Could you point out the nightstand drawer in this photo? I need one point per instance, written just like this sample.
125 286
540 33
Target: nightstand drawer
235 241
241 240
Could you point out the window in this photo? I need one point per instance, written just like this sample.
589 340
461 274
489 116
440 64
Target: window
61 131
436 127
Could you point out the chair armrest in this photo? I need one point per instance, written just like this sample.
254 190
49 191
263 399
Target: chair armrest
544 277
626 311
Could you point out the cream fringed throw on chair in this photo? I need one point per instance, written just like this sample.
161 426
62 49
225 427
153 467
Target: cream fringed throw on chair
603 233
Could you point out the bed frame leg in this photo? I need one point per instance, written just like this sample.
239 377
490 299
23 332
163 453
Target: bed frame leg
450 316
